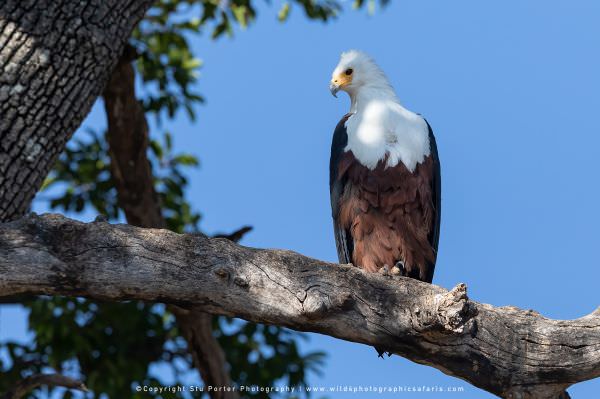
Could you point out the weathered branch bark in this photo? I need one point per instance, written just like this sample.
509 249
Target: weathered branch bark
55 57
28 384
127 137
510 352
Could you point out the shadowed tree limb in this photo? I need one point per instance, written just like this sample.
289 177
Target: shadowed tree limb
127 136
24 386
235 236
510 352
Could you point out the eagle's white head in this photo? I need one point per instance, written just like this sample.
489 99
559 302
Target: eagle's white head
378 125
356 71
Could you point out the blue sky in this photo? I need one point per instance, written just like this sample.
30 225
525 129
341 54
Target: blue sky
511 91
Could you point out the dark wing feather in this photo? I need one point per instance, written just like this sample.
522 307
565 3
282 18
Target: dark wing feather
343 239
436 196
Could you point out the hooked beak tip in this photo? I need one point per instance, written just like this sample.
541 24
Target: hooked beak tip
334 89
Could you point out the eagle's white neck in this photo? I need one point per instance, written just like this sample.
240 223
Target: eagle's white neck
361 97
381 126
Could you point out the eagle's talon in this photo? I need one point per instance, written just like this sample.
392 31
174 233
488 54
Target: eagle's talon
385 270
400 267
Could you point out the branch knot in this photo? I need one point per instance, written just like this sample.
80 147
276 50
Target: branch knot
454 309
317 304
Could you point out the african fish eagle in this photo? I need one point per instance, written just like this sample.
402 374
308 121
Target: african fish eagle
384 176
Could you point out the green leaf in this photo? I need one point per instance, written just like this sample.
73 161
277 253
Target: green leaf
185 159
240 13
284 12
48 182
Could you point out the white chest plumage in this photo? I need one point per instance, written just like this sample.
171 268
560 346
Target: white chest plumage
380 127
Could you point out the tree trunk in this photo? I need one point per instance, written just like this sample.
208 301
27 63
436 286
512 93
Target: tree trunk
55 58
510 352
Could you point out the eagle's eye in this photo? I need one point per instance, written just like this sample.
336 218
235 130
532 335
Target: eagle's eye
349 71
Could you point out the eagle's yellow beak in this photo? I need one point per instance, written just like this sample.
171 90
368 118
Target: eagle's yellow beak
339 81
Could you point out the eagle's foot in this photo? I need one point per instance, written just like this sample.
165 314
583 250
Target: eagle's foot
385 270
399 269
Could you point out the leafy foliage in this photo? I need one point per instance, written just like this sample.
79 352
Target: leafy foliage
114 346
170 183
83 177
167 65
266 354
84 173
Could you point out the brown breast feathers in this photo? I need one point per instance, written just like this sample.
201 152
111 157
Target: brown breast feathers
389 213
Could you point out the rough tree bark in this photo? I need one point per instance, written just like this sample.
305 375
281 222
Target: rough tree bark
510 352
55 57
127 136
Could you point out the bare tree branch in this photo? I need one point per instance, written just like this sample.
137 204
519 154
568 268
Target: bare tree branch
510 352
236 235
28 384
127 137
